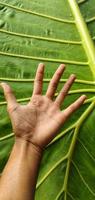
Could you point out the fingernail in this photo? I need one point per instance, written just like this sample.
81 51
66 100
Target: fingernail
73 76
84 96
42 64
62 65
3 83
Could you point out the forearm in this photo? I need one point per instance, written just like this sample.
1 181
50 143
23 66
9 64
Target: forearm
19 177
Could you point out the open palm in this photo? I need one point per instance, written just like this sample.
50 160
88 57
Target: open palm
39 121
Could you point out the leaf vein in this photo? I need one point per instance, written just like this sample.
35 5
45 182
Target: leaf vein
83 180
46 80
82 1
86 149
43 59
38 14
41 38
49 172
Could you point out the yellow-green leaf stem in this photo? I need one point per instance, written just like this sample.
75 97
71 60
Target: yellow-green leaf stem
73 143
85 36
48 173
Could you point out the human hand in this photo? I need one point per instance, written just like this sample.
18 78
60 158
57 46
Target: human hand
39 121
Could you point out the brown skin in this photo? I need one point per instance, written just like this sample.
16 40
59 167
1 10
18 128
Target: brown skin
34 125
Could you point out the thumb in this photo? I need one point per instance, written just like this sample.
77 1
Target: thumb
9 96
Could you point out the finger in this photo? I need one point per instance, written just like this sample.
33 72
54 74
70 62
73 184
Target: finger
39 79
54 81
9 96
73 107
65 90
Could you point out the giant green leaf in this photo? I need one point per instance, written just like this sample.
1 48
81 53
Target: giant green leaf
53 32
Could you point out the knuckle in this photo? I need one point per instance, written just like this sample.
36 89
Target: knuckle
13 108
54 84
37 102
58 74
63 92
8 88
9 108
9 91
40 74
65 115
68 84
73 107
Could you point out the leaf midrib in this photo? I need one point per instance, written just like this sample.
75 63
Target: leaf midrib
84 34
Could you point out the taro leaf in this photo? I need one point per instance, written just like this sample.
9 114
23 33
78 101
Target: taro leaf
53 32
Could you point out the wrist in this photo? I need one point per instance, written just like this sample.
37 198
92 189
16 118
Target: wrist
27 146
